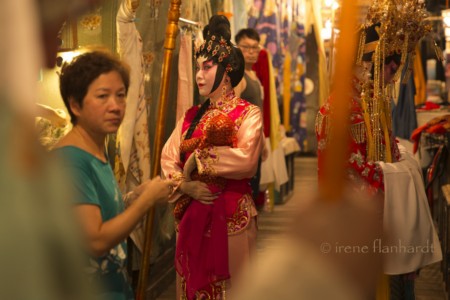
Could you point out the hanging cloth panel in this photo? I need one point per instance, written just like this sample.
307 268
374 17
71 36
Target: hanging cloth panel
185 95
419 79
135 119
287 91
133 155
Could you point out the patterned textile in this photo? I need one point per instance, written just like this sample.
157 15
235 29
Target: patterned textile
280 26
132 165
359 166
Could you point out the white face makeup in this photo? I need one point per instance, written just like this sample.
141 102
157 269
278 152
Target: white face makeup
205 76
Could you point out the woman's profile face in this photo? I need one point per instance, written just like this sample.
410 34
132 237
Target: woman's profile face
205 76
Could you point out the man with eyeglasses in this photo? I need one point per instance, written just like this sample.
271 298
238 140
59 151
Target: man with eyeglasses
250 89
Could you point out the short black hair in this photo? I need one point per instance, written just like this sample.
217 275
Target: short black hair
247 32
76 77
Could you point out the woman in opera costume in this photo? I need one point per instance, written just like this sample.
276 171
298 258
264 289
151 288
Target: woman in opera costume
211 155
387 44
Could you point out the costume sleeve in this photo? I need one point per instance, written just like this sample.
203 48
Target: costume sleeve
238 162
370 171
170 160
358 165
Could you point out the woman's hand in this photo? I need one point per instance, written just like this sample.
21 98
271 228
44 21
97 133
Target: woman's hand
189 166
155 190
199 191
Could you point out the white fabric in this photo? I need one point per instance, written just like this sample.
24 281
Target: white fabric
267 175
185 95
274 169
290 145
279 168
407 219
130 49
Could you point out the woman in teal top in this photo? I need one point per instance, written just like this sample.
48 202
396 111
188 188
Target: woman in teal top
94 88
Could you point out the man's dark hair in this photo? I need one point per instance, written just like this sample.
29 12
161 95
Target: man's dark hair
248 33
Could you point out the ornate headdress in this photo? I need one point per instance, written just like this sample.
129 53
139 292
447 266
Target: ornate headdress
400 24
392 30
217 46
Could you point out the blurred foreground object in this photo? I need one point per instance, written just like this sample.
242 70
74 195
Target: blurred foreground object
40 255
324 256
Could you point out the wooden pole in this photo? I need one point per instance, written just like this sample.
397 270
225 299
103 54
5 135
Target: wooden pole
169 46
336 153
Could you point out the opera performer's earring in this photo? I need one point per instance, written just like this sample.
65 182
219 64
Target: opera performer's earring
225 87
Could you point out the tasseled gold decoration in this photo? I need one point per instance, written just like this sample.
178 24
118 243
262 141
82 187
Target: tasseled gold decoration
438 52
362 42
359 132
402 24
409 69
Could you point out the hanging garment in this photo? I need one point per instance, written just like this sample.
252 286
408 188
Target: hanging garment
133 155
287 91
274 168
404 119
197 10
412 240
419 79
185 95
261 67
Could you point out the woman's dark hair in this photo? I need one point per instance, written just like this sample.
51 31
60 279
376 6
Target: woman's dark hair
248 33
218 48
76 77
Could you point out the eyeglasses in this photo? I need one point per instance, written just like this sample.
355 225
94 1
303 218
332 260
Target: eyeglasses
249 48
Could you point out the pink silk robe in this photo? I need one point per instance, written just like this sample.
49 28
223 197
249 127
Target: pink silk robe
205 232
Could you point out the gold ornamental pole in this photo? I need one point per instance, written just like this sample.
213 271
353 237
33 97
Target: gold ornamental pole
336 152
169 45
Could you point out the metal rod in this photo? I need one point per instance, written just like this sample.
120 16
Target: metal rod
169 45
188 21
